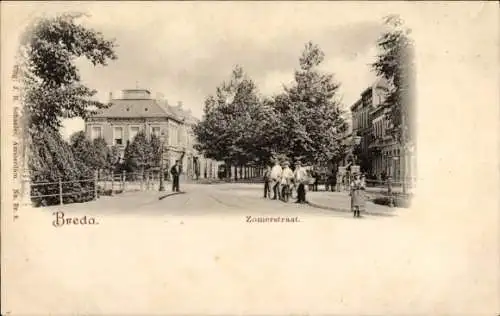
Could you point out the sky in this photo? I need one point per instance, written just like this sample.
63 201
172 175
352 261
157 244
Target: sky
183 50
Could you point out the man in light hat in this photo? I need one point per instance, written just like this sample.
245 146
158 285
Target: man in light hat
275 178
287 177
300 178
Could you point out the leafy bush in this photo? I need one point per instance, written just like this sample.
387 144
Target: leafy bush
398 201
107 192
52 160
142 154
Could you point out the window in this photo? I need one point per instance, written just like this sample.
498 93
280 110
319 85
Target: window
118 135
134 130
96 132
155 130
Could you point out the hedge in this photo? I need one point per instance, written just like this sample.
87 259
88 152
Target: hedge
398 201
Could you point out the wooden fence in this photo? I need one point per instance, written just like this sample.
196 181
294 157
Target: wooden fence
373 187
103 183
63 191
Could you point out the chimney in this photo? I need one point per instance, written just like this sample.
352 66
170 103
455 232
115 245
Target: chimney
110 96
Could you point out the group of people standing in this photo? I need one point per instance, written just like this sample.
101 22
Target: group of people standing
281 175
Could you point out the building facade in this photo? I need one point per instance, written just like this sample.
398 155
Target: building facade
377 148
134 111
362 127
385 151
385 156
347 135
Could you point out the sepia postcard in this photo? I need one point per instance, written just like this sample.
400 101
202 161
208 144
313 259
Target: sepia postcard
250 158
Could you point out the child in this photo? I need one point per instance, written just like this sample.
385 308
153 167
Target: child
357 195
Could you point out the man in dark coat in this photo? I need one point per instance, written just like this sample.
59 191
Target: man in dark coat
267 182
301 178
175 171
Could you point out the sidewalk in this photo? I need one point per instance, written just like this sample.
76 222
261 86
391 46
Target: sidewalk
341 202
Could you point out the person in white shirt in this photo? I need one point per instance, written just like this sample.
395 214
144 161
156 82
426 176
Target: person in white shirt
275 178
301 179
286 174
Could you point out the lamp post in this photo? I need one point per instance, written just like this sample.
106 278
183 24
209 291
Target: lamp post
162 172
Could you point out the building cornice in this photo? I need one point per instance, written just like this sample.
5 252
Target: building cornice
377 109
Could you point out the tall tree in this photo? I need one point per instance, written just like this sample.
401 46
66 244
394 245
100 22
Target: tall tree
235 122
83 151
51 83
155 151
395 62
310 112
139 154
51 90
113 158
101 150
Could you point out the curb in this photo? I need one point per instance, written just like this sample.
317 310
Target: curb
170 194
344 210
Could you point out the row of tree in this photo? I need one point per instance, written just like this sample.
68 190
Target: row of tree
79 158
141 154
302 122
305 120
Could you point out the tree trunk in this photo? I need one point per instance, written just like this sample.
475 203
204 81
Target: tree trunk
228 170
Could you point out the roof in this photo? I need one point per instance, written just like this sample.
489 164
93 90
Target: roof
132 108
381 82
356 104
186 115
137 90
378 83
142 108
169 110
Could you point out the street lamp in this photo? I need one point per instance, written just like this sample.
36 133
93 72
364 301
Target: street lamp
162 172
